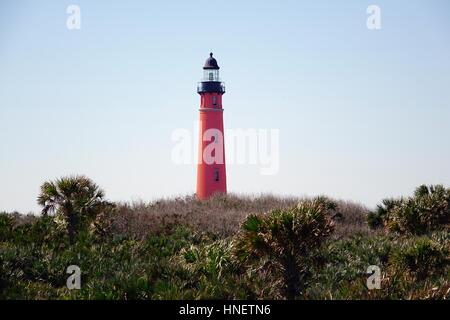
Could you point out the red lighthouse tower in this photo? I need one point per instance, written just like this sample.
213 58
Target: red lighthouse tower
211 173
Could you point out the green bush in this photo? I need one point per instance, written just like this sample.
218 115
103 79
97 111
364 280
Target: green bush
76 201
422 258
284 253
209 270
289 238
44 230
375 219
427 210
6 226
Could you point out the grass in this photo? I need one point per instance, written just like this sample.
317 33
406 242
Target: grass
220 215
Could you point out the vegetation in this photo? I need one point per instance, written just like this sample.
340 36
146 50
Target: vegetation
427 210
228 247
289 239
75 200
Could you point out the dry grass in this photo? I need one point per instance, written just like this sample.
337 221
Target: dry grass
353 220
221 215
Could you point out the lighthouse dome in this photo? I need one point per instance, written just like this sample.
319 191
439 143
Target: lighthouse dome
211 63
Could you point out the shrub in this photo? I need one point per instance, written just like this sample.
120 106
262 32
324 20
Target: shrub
427 210
421 259
289 237
211 271
6 226
375 219
43 230
76 200
287 252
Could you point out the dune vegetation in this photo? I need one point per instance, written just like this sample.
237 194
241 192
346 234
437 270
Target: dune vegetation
227 247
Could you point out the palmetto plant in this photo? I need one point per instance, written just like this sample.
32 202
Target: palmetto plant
6 226
289 238
376 218
421 258
427 210
76 199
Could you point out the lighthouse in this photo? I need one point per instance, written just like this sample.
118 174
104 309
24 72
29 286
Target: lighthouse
211 172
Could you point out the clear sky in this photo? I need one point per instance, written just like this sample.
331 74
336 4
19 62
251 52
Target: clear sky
362 114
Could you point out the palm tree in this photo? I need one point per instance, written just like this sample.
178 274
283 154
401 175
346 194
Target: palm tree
77 198
289 237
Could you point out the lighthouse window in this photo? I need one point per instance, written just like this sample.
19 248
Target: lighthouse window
211 76
214 100
216 175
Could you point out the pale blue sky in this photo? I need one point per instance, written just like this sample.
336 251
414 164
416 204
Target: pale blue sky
362 114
